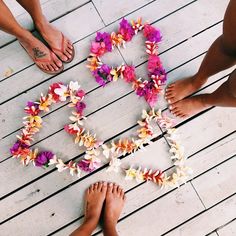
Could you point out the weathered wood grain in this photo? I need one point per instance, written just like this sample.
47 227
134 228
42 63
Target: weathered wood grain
24 83
228 230
209 220
52 9
226 186
16 57
200 162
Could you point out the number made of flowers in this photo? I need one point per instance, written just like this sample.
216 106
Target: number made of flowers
59 92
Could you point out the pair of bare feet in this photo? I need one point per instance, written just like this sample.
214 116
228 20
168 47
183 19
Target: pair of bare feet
177 96
104 201
48 58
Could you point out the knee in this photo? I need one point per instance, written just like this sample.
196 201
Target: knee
232 83
228 46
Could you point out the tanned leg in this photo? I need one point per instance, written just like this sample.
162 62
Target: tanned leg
224 96
95 197
114 203
51 35
34 47
220 56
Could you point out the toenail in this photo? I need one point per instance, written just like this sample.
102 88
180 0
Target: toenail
168 101
105 183
110 184
170 107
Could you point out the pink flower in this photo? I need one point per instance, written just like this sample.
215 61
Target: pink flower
129 74
51 91
98 48
70 130
80 106
80 93
126 30
153 63
152 34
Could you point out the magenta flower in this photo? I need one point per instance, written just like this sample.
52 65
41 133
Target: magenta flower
106 38
102 75
32 108
101 44
126 30
85 166
80 106
152 34
129 74
43 158
80 93
17 147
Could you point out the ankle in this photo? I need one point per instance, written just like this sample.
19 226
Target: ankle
199 80
24 36
40 22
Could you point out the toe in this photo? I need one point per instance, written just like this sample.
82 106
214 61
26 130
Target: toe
95 186
99 187
50 67
54 66
119 190
110 187
91 188
104 187
68 55
115 188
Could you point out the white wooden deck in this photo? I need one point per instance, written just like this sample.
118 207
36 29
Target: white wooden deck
40 202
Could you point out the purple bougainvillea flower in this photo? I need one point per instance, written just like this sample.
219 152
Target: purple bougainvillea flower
17 147
43 158
152 34
126 30
80 106
102 75
106 38
84 165
129 74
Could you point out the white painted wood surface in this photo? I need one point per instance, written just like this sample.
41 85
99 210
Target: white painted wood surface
47 202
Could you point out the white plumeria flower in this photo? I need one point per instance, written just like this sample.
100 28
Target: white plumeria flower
62 92
74 86
114 165
106 151
53 160
61 166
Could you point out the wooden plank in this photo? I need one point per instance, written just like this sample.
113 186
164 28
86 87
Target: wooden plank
182 203
228 230
105 126
73 196
218 215
200 163
25 83
226 184
15 57
52 9
118 8
9 124
186 25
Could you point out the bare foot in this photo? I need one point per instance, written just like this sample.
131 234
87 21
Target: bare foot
38 51
54 39
95 197
180 89
189 106
115 199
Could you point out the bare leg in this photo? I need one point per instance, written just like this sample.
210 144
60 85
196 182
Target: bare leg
224 96
220 56
115 199
34 47
95 197
51 35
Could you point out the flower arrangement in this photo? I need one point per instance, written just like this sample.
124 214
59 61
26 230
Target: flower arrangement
104 42
149 89
181 173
